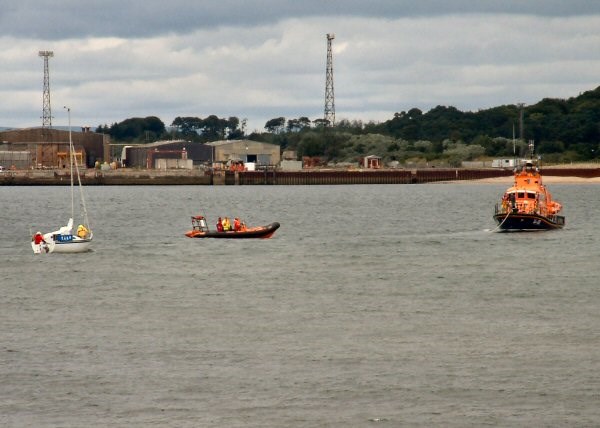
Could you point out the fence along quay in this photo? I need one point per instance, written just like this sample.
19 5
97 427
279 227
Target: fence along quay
390 176
364 177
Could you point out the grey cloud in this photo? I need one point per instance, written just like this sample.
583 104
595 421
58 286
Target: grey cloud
60 19
470 61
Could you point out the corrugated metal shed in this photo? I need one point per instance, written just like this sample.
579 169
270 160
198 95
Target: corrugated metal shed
46 144
137 156
247 151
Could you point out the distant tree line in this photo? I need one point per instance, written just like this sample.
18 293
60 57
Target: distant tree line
563 131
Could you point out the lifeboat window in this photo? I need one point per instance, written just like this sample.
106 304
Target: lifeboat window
521 195
531 195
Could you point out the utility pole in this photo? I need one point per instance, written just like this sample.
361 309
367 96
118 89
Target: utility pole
521 105
46 110
329 97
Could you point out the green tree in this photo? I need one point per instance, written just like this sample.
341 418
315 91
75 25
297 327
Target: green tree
211 128
551 147
188 127
311 144
146 129
275 125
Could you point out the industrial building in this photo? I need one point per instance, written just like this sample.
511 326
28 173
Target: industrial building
49 148
166 155
185 154
247 151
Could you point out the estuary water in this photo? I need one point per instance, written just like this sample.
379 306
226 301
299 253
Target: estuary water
372 305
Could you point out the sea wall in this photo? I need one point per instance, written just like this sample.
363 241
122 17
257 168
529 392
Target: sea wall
93 177
121 177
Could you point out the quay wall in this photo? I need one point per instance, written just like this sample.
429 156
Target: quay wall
93 177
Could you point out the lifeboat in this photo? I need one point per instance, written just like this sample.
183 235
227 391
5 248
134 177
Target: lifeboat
528 204
200 230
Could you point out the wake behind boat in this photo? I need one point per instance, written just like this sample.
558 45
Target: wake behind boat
528 204
200 230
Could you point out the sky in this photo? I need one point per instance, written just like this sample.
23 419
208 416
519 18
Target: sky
262 59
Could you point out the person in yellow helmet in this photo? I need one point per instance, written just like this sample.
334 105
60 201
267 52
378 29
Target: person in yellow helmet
226 224
82 231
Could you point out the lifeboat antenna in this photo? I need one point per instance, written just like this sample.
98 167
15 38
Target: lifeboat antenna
521 139
531 145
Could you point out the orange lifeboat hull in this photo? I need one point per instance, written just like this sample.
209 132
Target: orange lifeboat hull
523 222
261 232
528 204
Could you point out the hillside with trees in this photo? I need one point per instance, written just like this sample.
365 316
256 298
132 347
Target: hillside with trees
564 130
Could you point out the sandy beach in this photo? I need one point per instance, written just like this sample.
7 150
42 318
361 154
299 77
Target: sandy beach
550 179
546 180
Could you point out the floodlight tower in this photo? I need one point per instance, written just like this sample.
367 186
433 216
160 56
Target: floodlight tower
329 97
46 111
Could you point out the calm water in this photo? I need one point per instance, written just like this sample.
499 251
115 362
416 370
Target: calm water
381 306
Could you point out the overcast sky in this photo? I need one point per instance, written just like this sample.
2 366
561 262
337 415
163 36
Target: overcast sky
259 60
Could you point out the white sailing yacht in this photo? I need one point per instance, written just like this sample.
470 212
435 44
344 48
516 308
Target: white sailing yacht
64 240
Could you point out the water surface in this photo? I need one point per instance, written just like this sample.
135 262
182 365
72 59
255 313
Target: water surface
372 305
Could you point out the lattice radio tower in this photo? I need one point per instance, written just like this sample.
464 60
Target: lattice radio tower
329 97
46 111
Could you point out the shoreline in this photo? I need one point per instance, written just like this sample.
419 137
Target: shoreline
548 179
